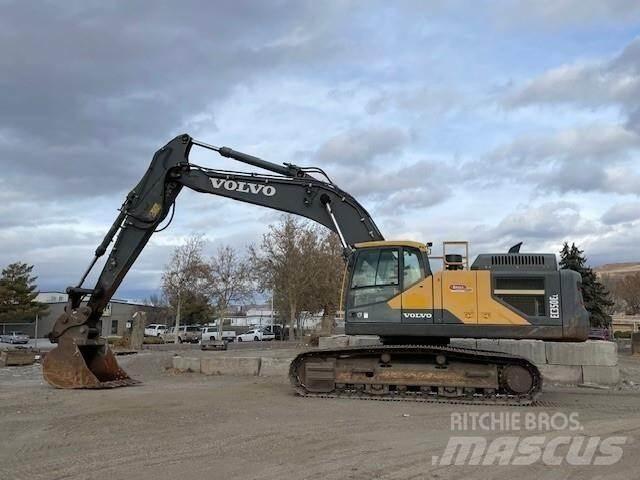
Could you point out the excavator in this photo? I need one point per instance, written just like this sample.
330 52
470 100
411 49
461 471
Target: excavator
389 290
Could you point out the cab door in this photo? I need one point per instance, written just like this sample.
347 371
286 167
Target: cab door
375 280
417 289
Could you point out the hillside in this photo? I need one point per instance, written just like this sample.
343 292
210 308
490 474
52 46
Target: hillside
618 269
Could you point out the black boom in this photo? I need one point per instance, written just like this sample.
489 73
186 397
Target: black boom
289 189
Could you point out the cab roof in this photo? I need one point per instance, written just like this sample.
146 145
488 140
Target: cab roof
392 243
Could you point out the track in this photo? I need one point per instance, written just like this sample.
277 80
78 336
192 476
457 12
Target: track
421 374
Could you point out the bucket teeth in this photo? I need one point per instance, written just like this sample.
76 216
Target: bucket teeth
70 365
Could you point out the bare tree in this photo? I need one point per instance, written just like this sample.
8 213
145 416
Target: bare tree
185 275
626 291
327 264
295 262
160 313
229 281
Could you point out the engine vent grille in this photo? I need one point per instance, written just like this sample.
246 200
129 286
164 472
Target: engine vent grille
512 259
515 261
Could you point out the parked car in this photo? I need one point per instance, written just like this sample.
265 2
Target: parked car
255 335
211 333
267 335
187 333
280 332
276 330
14 337
154 330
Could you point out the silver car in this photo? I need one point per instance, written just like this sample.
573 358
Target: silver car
14 337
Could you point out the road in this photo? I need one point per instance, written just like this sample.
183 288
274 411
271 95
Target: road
190 426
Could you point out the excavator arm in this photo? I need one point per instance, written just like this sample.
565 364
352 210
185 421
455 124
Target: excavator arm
82 358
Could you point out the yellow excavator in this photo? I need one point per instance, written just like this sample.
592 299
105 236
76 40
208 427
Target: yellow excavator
390 291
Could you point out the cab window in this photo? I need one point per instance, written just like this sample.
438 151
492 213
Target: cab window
375 277
412 270
376 268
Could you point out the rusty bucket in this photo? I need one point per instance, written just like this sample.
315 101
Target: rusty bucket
70 365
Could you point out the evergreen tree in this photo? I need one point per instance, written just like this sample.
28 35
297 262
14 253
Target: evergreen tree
18 293
595 295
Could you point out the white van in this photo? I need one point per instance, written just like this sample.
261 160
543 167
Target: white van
154 330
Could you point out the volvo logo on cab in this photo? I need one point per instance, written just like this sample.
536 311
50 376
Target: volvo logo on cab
417 315
243 187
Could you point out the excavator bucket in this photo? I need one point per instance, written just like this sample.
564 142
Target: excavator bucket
70 365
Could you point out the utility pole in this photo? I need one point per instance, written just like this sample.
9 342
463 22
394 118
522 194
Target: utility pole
36 332
272 329
177 332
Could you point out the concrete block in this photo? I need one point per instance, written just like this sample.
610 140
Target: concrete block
223 365
487 344
464 343
363 340
600 375
591 352
334 341
561 374
275 367
186 364
532 350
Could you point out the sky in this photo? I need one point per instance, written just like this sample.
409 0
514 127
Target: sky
491 121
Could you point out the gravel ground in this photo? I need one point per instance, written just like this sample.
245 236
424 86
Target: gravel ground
190 426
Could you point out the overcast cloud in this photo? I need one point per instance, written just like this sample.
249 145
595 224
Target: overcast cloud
502 122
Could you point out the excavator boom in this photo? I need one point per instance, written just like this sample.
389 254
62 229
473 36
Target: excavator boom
82 358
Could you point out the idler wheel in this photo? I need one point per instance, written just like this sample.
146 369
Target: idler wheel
517 379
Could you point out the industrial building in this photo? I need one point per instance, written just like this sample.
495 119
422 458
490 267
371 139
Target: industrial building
113 320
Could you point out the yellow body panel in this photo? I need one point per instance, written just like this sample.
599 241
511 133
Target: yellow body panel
437 291
459 294
464 293
417 297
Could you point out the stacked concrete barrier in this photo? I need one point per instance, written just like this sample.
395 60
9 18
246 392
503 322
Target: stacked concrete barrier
222 365
341 341
274 367
238 366
564 363
186 364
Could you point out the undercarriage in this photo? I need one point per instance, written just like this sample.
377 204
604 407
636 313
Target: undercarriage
416 373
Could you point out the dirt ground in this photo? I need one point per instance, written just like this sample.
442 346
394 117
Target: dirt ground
189 426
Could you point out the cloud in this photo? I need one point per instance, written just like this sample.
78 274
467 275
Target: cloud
594 157
549 221
561 13
590 158
91 91
600 142
621 213
422 99
606 83
361 146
